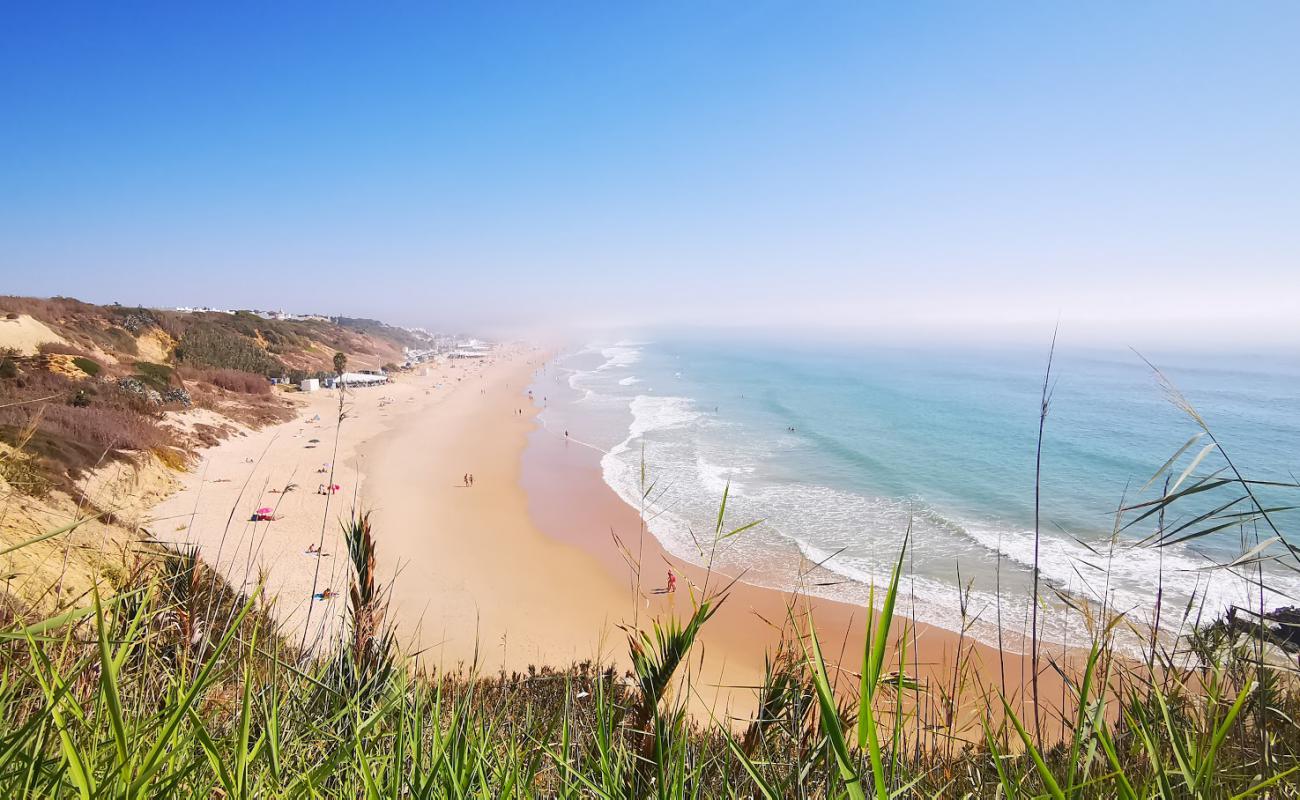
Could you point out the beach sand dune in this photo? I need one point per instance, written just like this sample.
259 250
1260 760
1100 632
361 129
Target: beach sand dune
25 335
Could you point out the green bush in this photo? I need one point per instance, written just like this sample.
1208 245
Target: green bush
87 365
210 345
157 376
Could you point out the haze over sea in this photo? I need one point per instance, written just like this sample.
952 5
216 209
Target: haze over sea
838 449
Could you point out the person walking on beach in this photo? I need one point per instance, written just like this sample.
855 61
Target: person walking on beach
465 479
471 479
672 581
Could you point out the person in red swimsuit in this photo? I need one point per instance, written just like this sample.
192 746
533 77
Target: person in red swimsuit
672 581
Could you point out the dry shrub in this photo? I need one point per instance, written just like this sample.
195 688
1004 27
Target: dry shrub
254 410
71 437
234 380
61 349
103 428
47 309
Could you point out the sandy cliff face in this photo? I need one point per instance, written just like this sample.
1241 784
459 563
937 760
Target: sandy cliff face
60 545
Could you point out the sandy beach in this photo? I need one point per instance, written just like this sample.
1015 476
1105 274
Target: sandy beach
255 469
521 568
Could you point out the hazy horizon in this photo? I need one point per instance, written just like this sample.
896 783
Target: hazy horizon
922 173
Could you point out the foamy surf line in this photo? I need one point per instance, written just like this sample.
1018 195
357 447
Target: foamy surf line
621 471
665 426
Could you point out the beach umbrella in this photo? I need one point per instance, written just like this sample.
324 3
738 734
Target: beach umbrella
264 511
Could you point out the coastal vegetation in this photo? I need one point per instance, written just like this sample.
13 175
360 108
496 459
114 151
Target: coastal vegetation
165 682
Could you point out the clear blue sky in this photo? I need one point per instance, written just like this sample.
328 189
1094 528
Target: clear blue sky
1131 168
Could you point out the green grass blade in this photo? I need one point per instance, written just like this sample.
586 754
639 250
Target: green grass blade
75 759
1043 772
200 683
112 697
831 719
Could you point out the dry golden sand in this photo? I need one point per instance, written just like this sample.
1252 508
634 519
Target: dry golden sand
25 335
252 470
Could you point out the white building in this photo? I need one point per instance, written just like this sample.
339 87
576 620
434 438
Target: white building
362 379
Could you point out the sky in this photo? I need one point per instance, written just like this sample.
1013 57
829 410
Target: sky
1129 170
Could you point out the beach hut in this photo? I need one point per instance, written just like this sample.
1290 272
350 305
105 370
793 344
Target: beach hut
309 385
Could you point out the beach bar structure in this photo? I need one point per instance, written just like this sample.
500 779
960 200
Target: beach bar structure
362 379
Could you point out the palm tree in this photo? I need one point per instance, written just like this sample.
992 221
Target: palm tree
340 362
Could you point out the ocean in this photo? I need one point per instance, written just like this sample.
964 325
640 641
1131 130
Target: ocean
840 450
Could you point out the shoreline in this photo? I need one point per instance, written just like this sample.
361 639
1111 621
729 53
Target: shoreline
570 500
521 569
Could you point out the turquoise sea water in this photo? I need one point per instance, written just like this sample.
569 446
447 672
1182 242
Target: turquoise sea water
840 449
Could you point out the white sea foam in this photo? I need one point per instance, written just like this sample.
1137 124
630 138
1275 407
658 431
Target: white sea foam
653 418
656 413
933 601
619 355
864 533
1131 575
817 520
692 456
714 479
857 537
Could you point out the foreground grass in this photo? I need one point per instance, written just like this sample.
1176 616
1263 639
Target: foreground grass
177 687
